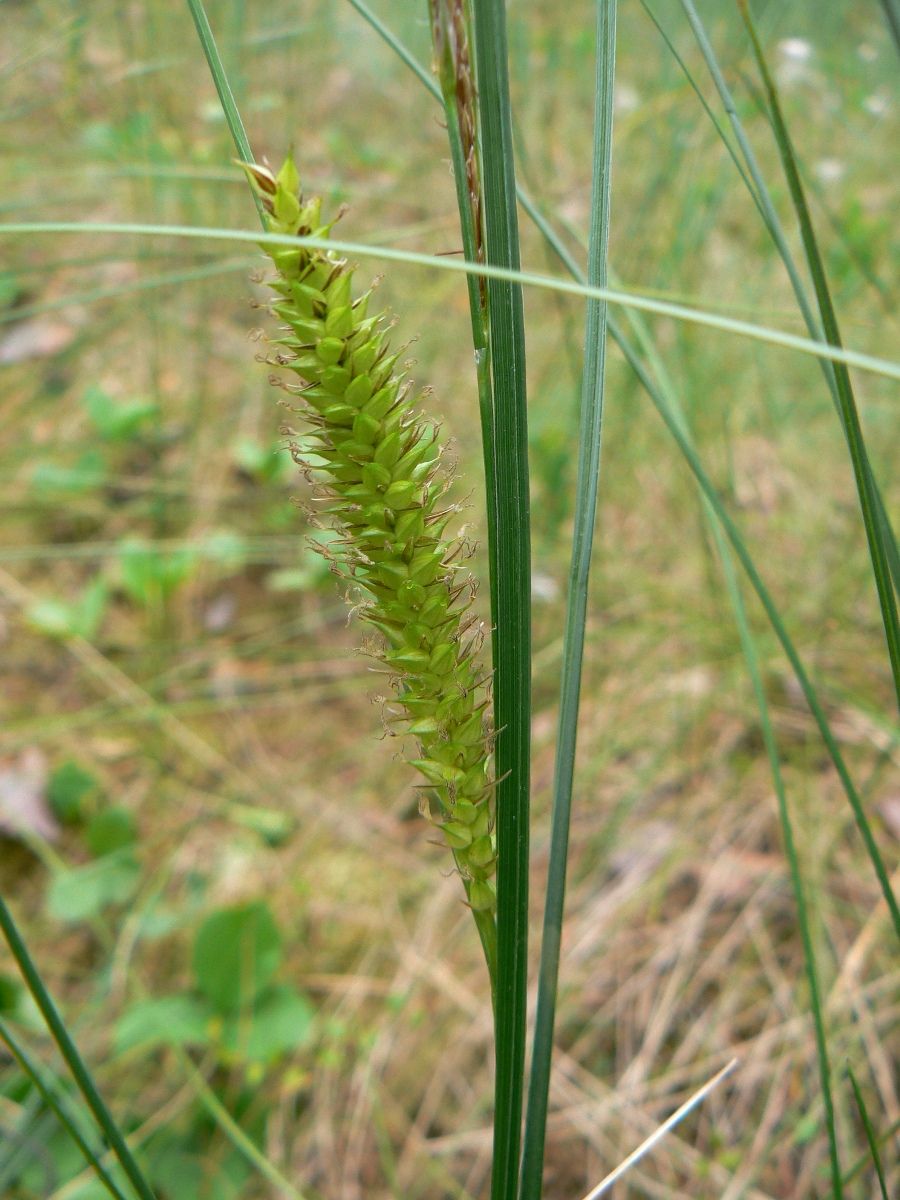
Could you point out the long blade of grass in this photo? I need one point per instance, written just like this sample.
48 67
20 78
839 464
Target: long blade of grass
870 1133
223 88
65 1119
863 1161
405 55
512 681
748 646
658 1134
625 299
587 482
53 1102
73 1060
670 418
760 193
892 16
850 415
449 31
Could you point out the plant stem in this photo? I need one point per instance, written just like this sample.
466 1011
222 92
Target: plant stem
72 1058
591 421
512 682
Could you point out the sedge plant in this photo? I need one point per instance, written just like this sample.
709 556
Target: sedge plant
376 467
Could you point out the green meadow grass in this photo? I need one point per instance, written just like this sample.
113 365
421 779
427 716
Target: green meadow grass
183 698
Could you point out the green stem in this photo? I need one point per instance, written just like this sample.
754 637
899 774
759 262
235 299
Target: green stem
592 397
72 1058
849 414
65 1119
512 682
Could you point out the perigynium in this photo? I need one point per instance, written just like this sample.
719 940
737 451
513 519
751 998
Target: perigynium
375 463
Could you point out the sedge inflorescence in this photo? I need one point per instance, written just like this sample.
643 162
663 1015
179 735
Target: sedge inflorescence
378 478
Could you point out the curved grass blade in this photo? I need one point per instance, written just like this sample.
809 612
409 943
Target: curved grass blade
512 681
759 191
589 442
671 421
53 1102
849 412
887 368
73 1060
870 1133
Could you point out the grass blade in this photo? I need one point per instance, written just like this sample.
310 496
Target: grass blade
888 368
450 24
73 1060
892 16
849 413
658 1134
671 420
512 682
65 1119
870 1133
759 191
223 87
591 422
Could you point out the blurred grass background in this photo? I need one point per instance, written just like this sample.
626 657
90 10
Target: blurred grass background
169 640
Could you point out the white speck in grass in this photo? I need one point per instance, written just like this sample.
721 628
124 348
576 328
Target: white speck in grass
877 105
544 587
867 52
794 59
211 112
830 170
625 98
796 50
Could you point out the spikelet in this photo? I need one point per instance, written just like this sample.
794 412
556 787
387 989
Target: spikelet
377 474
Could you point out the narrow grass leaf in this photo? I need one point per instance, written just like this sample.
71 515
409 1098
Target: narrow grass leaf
80 1074
888 368
892 16
587 481
223 88
512 682
761 195
449 26
658 1134
850 416
674 425
53 1102
870 1133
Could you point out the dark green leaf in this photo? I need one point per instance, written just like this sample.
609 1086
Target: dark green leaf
236 953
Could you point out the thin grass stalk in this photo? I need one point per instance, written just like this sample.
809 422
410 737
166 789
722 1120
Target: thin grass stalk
73 1060
850 415
65 1119
883 1139
887 368
761 197
661 1131
748 646
751 658
662 406
871 1138
223 88
892 16
587 482
450 23
512 681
